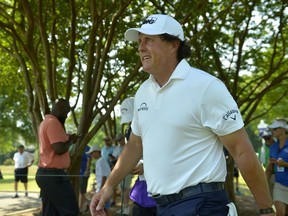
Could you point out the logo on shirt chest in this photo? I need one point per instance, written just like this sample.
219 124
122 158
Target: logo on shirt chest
143 107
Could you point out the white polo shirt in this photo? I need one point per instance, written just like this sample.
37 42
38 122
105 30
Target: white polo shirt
22 160
179 124
102 169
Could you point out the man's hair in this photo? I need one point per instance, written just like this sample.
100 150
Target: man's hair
184 50
60 106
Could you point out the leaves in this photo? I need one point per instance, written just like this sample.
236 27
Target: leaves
76 50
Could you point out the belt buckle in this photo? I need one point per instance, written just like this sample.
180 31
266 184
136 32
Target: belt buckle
156 196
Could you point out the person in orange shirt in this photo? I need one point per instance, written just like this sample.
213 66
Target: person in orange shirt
58 196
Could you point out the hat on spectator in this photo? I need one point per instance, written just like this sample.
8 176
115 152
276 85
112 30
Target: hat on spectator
266 133
156 24
279 124
127 109
93 149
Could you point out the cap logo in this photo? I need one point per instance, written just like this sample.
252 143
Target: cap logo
123 110
149 20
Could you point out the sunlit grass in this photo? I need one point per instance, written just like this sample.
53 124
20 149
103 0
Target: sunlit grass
7 183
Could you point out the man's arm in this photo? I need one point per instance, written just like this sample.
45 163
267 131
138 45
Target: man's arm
31 159
128 159
62 147
88 166
240 147
269 170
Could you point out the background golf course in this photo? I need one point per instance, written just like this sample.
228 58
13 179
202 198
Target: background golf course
7 183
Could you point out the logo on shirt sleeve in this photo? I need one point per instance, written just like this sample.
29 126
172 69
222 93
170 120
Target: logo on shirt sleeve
231 114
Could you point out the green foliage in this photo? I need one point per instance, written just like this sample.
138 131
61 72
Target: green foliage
76 50
8 162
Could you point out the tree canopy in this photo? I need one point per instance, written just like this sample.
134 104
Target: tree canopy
76 50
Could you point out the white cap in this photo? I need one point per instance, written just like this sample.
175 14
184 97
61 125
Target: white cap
266 133
278 124
127 109
156 24
92 149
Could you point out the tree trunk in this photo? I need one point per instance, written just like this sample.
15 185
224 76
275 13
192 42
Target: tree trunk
74 172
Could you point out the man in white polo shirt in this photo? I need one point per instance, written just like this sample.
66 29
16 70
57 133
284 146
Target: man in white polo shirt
182 119
23 160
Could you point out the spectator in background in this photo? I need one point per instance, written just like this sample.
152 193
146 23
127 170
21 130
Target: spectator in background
83 181
1 176
120 139
102 171
22 160
125 185
107 150
143 204
264 155
57 193
264 150
278 163
236 176
106 153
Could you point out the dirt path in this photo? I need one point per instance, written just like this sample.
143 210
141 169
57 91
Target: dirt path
245 206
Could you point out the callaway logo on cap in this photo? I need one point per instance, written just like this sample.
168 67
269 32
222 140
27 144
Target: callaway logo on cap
156 24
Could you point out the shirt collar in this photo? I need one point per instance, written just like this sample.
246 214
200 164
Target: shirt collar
180 72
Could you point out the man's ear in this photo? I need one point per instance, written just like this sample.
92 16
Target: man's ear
175 45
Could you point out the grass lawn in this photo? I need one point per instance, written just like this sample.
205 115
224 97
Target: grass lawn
7 183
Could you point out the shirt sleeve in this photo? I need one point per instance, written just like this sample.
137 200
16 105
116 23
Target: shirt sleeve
135 124
56 132
219 110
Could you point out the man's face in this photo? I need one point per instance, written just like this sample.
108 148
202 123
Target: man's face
21 150
108 141
95 154
121 141
61 110
154 53
268 140
277 132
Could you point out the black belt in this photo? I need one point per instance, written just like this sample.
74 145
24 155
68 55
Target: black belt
162 200
21 168
51 169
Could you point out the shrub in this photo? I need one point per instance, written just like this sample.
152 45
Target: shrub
8 162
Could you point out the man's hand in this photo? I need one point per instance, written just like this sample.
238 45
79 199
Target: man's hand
280 162
73 138
138 170
98 201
